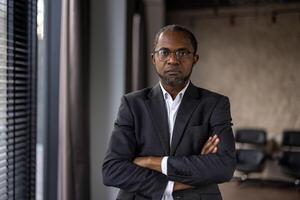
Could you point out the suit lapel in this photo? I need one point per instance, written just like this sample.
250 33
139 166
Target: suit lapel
188 105
158 113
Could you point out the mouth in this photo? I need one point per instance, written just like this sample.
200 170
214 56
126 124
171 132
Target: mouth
173 72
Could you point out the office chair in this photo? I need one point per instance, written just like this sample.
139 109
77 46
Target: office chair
251 156
290 158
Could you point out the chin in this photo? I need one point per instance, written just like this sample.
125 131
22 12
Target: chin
174 82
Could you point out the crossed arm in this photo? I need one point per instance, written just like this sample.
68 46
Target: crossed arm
154 163
122 169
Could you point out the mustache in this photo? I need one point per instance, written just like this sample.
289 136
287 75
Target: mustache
172 68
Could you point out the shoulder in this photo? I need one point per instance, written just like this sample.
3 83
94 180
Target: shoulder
213 101
210 98
138 95
210 95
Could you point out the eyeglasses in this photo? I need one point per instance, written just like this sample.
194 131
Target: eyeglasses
164 54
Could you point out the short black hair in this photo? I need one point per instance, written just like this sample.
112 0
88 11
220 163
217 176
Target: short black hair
179 28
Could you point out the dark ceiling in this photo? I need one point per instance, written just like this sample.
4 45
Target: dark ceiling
196 4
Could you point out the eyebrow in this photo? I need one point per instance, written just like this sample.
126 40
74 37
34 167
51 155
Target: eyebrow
182 48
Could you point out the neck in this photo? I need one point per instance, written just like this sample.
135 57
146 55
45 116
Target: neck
173 90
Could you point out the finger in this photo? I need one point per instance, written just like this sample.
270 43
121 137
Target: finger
215 150
206 145
211 148
216 141
213 145
136 160
210 144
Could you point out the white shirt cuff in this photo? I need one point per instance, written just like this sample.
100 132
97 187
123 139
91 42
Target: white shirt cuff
168 191
164 165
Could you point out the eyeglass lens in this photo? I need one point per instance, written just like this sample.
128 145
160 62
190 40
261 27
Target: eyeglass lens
164 54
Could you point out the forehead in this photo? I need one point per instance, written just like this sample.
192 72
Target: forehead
174 40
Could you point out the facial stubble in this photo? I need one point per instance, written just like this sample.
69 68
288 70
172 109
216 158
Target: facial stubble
174 81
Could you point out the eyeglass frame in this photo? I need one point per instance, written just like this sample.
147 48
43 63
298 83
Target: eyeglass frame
172 52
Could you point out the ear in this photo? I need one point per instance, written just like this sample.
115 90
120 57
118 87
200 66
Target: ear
153 58
195 59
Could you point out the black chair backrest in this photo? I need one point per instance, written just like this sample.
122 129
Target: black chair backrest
250 156
291 138
251 136
291 159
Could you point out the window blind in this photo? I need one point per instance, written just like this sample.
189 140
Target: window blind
17 99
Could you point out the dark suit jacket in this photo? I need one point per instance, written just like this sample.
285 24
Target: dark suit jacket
141 129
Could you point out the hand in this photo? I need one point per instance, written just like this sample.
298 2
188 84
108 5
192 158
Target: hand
149 162
141 161
211 145
180 186
154 163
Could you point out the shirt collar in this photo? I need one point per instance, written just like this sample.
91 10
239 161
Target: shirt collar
166 94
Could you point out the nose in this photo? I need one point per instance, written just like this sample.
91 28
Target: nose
172 58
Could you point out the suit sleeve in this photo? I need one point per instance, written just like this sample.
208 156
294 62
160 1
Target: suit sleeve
118 168
197 170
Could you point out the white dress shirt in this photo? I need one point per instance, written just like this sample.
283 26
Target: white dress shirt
172 109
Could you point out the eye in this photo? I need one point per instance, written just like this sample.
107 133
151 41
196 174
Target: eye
182 53
164 52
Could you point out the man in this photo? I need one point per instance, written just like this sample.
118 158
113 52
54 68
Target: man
172 141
